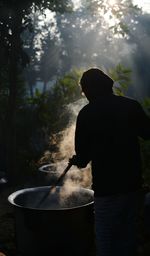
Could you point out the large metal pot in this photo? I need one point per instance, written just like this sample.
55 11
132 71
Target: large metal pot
53 229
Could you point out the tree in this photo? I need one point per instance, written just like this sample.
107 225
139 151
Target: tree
14 19
91 32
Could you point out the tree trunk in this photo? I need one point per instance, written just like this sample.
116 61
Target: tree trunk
11 115
31 89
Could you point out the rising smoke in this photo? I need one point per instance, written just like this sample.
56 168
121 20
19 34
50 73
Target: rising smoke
75 177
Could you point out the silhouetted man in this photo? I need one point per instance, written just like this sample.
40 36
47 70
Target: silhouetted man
107 131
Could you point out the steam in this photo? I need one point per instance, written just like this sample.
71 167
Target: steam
66 148
56 200
66 144
75 177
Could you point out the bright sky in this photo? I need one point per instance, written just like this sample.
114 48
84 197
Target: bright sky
145 4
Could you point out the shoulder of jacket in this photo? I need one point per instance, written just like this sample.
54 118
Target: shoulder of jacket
129 99
83 112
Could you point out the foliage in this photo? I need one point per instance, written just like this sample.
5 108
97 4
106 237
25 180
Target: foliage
120 12
41 116
75 35
67 88
14 20
122 76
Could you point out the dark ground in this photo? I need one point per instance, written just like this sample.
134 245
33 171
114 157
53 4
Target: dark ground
7 233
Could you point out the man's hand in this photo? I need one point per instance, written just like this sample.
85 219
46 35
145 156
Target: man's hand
75 160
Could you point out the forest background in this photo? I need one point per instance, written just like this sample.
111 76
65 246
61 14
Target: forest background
44 48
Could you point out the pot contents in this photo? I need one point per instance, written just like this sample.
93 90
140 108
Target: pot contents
56 200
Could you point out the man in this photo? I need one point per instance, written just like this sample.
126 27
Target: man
107 131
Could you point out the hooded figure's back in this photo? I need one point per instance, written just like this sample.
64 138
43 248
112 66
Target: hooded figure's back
107 133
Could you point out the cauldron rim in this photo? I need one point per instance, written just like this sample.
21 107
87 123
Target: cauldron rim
11 199
44 170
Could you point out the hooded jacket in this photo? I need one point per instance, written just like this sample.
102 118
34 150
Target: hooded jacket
107 135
